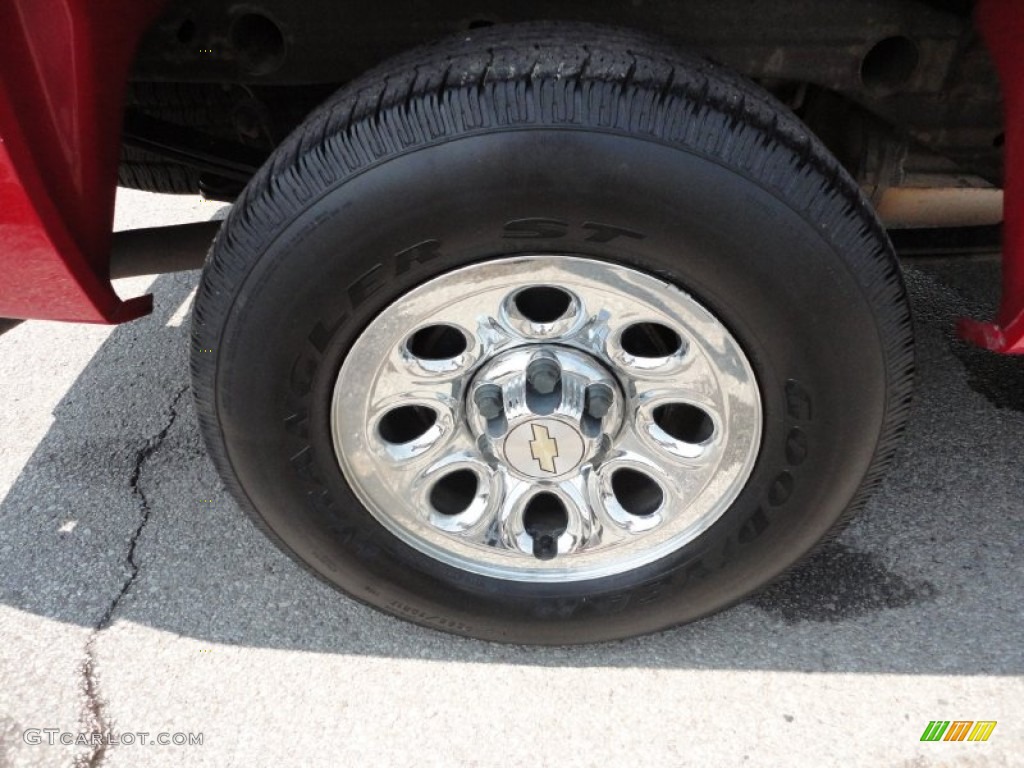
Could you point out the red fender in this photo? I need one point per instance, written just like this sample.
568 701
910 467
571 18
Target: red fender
64 66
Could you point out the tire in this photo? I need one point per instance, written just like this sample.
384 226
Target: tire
151 173
197 105
206 107
557 144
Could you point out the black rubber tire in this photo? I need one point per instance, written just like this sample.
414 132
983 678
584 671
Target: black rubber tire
414 170
151 173
205 107
197 105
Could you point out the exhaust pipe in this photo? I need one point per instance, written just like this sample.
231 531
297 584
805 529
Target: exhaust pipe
940 207
156 250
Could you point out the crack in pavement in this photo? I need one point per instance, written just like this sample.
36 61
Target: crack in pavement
94 718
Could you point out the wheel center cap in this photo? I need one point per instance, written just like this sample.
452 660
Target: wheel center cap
544 410
544 448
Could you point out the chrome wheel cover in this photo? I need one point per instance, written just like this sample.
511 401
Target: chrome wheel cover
546 418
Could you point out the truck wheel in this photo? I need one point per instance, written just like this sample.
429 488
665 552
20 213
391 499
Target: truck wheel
551 334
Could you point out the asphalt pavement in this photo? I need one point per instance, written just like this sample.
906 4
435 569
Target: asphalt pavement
135 595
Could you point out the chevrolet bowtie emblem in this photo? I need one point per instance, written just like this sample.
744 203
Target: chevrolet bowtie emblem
544 448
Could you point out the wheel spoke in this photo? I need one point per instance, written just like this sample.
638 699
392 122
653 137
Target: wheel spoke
460 492
692 382
680 479
670 432
546 523
417 425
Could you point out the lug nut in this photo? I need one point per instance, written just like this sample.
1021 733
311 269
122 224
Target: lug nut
599 400
489 401
543 374
545 547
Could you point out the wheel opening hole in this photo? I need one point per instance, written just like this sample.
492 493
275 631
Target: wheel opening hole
636 493
684 422
454 492
545 514
258 42
480 24
545 519
542 303
405 423
890 63
437 342
651 340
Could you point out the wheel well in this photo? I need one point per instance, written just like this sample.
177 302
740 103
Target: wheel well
907 76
